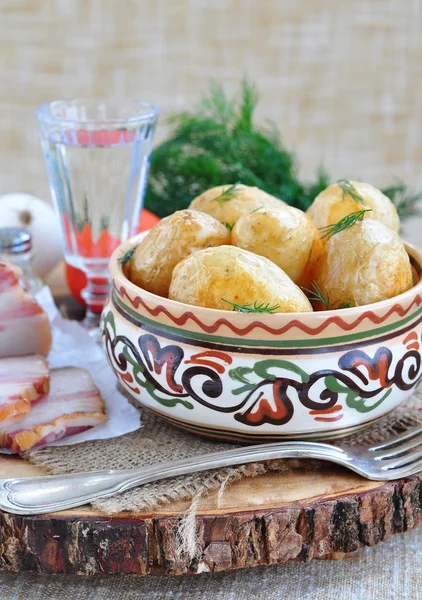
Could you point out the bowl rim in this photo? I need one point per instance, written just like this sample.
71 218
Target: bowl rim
119 281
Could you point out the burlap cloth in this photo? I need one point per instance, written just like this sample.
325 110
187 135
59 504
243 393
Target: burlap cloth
157 441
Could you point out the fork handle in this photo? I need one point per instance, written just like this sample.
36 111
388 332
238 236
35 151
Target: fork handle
46 494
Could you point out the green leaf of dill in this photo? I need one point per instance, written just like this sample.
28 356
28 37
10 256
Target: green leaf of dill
127 256
257 208
344 223
229 227
316 295
348 189
348 304
227 195
407 204
255 308
221 140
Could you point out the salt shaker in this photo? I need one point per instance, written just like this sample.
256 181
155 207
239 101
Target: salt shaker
16 248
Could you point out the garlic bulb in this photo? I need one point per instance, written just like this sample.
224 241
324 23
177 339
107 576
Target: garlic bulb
40 219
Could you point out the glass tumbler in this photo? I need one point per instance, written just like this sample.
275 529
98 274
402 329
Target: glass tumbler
97 154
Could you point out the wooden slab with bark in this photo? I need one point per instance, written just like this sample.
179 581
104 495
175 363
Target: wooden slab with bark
274 518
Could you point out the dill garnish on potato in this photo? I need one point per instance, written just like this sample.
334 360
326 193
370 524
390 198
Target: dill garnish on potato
227 195
127 256
253 308
348 189
342 224
316 295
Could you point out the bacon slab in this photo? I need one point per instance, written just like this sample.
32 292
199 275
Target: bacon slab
23 379
74 404
24 326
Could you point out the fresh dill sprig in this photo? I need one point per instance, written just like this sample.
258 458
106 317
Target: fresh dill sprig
348 304
255 308
407 204
229 227
344 223
227 195
316 295
348 189
127 256
257 208
220 140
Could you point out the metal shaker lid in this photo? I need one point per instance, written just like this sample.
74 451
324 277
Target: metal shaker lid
14 240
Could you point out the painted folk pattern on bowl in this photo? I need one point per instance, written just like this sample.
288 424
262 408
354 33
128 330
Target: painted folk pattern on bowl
265 391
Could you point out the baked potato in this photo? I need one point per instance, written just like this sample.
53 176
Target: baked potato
228 203
230 278
362 264
415 275
345 197
284 235
172 239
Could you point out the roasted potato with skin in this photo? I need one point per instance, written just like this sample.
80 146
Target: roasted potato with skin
283 234
343 198
228 203
415 275
363 264
172 239
216 277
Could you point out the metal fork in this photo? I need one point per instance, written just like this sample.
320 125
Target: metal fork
396 458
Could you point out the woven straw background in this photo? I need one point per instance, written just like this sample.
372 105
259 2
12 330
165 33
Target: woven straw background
343 82
341 79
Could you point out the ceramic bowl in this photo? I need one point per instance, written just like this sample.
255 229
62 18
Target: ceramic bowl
261 377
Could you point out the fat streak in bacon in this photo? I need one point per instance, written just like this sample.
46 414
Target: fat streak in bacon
74 404
24 326
23 380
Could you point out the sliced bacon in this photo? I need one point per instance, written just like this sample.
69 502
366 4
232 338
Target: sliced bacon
24 326
23 379
74 404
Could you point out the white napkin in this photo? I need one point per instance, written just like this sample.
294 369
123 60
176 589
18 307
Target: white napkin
73 347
